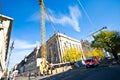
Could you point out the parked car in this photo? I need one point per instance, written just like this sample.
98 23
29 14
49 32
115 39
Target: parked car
91 62
80 63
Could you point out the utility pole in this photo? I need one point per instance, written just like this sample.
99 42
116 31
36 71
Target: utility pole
11 48
81 47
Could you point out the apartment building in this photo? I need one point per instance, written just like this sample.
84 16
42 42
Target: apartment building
5 32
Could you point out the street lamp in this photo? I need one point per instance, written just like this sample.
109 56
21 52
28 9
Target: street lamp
11 48
98 30
83 56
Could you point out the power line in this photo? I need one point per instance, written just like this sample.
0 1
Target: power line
85 13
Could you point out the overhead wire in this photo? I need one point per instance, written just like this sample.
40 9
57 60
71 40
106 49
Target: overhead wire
90 21
85 13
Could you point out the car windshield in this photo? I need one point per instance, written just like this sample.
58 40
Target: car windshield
89 60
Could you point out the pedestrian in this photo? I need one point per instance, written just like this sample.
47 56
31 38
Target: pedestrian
36 78
51 67
29 76
41 68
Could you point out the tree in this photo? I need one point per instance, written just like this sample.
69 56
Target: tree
96 52
109 41
71 55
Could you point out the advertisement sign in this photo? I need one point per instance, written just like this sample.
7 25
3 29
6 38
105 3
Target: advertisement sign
39 60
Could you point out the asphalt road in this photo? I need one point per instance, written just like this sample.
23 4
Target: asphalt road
99 73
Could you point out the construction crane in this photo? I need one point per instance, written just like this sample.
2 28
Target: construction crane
43 30
43 11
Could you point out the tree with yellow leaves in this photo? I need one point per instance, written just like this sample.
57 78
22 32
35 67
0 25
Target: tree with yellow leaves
96 52
71 55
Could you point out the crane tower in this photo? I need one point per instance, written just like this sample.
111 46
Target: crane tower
42 30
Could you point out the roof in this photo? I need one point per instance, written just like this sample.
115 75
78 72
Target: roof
5 17
62 35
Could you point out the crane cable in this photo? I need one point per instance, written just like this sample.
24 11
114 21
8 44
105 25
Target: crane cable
49 18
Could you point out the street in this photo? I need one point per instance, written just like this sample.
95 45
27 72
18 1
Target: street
99 73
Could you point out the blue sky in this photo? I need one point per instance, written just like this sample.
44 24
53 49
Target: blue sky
67 15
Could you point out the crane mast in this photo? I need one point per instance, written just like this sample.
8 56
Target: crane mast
42 30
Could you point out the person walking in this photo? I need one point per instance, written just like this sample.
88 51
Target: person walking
51 68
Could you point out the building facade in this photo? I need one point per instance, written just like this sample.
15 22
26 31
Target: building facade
29 64
5 32
55 46
86 46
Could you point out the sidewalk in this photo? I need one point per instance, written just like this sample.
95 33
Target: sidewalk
55 72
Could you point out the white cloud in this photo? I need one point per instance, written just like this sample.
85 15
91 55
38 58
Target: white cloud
18 55
69 19
21 49
22 44
35 17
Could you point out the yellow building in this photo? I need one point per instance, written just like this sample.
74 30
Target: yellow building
5 32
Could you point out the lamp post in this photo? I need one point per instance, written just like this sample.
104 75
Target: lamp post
83 56
11 48
98 30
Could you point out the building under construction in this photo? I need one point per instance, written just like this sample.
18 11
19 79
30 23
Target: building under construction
5 32
52 50
55 48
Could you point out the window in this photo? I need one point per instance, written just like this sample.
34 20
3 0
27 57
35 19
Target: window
54 47
65 44
0 21
49 54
